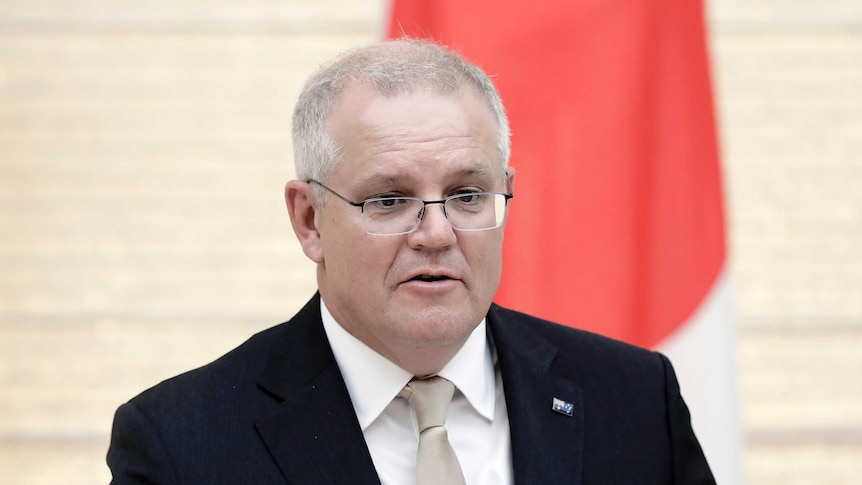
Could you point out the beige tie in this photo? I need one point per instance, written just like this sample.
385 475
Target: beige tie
436 463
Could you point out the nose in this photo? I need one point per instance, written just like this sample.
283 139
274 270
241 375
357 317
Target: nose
434 229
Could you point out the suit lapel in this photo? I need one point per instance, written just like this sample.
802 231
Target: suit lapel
547 445
314 436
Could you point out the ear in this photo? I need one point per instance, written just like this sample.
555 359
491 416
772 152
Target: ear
303 211
510 179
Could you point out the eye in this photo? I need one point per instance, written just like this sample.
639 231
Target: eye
468 196
386 203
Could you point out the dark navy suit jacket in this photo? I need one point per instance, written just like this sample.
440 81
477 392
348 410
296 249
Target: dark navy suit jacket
276 410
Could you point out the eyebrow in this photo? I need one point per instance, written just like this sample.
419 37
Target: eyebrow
378 179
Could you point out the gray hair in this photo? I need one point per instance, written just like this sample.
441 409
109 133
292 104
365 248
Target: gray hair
389 68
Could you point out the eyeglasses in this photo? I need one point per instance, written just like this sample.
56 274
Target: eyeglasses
392 216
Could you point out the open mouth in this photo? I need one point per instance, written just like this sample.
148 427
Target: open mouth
430 278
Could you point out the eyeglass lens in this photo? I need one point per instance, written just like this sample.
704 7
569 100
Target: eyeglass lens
466 212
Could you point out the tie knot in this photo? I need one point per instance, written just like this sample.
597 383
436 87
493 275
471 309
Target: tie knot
430 398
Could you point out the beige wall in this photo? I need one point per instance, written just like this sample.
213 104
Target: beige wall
789 80
144 145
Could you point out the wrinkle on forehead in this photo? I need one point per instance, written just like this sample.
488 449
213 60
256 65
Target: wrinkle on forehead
354 104
404 140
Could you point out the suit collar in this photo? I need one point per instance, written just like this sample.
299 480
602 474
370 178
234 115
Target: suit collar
314 435
547 446
373 381
299 352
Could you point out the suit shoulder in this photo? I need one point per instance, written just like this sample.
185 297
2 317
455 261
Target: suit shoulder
235 370
579 347
567 333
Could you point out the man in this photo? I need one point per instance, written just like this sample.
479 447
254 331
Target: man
401 153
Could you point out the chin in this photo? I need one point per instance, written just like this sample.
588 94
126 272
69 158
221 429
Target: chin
440 326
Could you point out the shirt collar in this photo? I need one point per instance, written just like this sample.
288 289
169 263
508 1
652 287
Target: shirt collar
373 381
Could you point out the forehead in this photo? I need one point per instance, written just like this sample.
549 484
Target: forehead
414 135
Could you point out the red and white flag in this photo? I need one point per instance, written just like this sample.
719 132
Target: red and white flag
617 225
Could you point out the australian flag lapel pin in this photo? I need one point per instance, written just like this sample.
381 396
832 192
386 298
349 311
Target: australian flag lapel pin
563 407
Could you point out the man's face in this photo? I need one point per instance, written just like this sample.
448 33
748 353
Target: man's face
427 290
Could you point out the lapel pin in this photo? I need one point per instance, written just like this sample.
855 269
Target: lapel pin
563 407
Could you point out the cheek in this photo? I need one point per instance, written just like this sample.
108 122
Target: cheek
485 258
342 241
363 262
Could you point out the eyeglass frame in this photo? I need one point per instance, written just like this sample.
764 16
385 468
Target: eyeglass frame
425 203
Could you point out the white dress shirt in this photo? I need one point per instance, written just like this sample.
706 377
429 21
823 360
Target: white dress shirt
477 422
